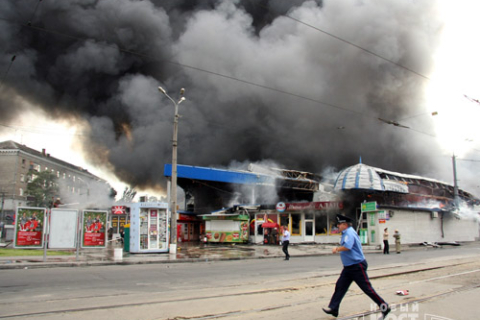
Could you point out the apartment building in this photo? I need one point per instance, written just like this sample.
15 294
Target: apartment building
77 186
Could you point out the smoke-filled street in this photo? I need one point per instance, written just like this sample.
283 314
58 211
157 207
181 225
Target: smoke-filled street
442 283
302 85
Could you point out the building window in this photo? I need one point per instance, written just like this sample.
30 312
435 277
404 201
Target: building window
321 224
285 220
73 178
20 192
22 177
64 175
58 174
296 224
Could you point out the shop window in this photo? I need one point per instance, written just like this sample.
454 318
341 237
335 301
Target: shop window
321 224
284 221
296 224
259 229
333 228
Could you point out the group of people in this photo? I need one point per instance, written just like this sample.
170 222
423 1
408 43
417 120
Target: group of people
386 246
94 225
29 224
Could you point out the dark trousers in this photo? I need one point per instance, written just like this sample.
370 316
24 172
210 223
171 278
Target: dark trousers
357 273
285 249
386 247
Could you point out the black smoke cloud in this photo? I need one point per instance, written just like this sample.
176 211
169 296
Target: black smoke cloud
315 103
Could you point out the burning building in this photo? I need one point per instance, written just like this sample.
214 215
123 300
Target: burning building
425 210
422 208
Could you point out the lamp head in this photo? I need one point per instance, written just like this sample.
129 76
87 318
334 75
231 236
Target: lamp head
182 91
162 90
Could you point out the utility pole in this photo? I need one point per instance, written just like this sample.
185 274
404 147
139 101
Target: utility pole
3 202
173 192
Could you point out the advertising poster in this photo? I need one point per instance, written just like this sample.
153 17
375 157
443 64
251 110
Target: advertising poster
29 227
227 231
94 229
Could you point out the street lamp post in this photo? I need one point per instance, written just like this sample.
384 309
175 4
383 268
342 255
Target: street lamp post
173 188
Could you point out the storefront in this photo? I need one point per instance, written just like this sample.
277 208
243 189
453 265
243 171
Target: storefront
189 227
312 222
119 218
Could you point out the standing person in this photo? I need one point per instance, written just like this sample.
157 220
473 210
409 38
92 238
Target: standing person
354 269
398 245
286 242
23 222
386 247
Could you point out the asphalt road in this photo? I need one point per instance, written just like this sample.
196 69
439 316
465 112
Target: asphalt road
439 280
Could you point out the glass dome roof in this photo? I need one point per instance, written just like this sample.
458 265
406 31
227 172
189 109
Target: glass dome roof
359 176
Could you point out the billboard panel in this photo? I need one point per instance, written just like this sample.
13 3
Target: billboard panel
63 229
94 233
29 227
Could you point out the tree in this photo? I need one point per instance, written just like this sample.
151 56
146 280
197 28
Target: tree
42 190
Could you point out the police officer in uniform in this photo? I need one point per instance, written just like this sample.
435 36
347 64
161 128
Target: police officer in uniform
354 269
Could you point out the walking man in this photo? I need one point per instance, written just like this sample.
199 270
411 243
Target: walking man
354 269
286 242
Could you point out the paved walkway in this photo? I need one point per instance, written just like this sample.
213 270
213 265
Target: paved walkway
186 252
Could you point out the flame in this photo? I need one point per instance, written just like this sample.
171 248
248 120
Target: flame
126 129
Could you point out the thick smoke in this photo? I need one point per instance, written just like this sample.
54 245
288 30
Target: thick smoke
315 101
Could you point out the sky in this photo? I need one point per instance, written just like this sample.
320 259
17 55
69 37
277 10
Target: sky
296 84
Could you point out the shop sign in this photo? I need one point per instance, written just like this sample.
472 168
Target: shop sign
369 206
381 220
119 209
281 206
323 205
186 217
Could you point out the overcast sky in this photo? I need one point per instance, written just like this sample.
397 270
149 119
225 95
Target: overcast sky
297 84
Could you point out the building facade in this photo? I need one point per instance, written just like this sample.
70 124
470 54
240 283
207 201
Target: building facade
19 163
422 209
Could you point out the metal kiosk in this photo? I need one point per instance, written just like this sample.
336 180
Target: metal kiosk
149 227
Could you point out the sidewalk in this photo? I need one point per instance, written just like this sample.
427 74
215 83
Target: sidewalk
186 252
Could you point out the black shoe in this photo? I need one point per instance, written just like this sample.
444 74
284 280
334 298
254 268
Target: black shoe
386 312
330 311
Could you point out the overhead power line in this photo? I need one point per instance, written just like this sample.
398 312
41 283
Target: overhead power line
142 55
358 47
